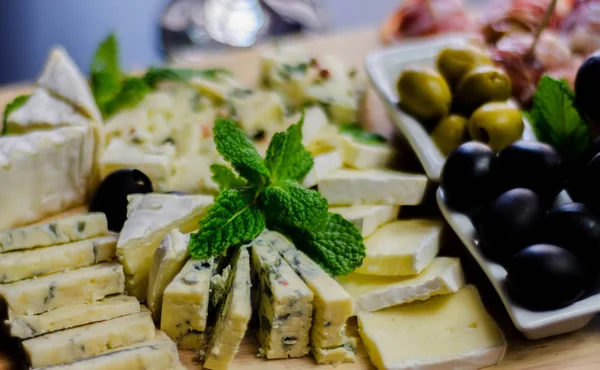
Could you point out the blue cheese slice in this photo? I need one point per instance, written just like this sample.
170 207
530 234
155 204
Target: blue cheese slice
149 218
29 263
372 293
367 218
70 316
89 340
284 305
233 318
169 258
88 284
61 231
185 305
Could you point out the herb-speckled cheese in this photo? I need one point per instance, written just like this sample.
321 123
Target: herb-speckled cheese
29 263
88 284
65 230
285 302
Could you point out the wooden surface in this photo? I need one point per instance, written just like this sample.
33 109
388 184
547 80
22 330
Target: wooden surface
579 350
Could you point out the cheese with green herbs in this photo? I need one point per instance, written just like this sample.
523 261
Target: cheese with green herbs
367 218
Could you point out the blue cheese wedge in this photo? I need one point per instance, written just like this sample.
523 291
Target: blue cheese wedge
324 165
332 304
89 340
367 218
25 264
185 305
284 305
158 353
401 247
149 218
233 318
169 258
70 316
61 231
372 293
351 187
450 331
88 284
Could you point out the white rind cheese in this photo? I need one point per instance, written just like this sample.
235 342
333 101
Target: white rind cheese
450 331
351 187
29 263
88 284
89 340
149 218
70 316
367 218
324 165
372 293
401 247
169 258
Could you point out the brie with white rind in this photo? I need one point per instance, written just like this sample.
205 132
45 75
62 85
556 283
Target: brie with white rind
451 331
324 165
351 187
372 293
367 218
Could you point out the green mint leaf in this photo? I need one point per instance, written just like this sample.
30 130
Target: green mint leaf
358 133
288 204
286 158
133 91
106 75
11 107
556 121
225 177
156 75
234 218
237 149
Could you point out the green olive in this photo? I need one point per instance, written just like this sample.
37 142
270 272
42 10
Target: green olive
454 62
450 132
496 124
424 93
481 85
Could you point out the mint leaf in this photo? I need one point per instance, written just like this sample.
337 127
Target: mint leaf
289 204
11 107
287 159
106 76
358 133
156 75
133 91
238 150
225 177
234 218
556 121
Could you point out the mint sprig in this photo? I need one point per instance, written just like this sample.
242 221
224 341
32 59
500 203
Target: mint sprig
272 196
11 107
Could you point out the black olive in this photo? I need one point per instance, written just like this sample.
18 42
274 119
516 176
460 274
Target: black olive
111 196
586 89
577 185
545 277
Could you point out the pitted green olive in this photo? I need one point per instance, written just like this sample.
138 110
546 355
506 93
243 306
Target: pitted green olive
424 93
454 62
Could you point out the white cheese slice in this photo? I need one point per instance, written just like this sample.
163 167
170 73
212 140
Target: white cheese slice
366 156
367 218
402 247
88 284
324 165
150 218
192 174
372 293
64 230
315 123
450 331
29 263
44 173
70 316
169 258
351 187
89 340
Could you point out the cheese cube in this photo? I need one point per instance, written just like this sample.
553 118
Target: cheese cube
89 340
185 305
402 247
366 156
372 293
285 303
450 331
70 316
233 317
149 218
88 284
336 355
367 218
169 258
29 263
324 165
158 353
351 187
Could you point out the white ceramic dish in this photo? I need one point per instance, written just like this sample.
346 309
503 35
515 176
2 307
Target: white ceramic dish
383 68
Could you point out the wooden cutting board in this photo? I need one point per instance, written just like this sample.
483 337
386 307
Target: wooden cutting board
579 350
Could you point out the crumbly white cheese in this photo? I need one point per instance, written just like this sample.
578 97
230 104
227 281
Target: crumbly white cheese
367 218
257 111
